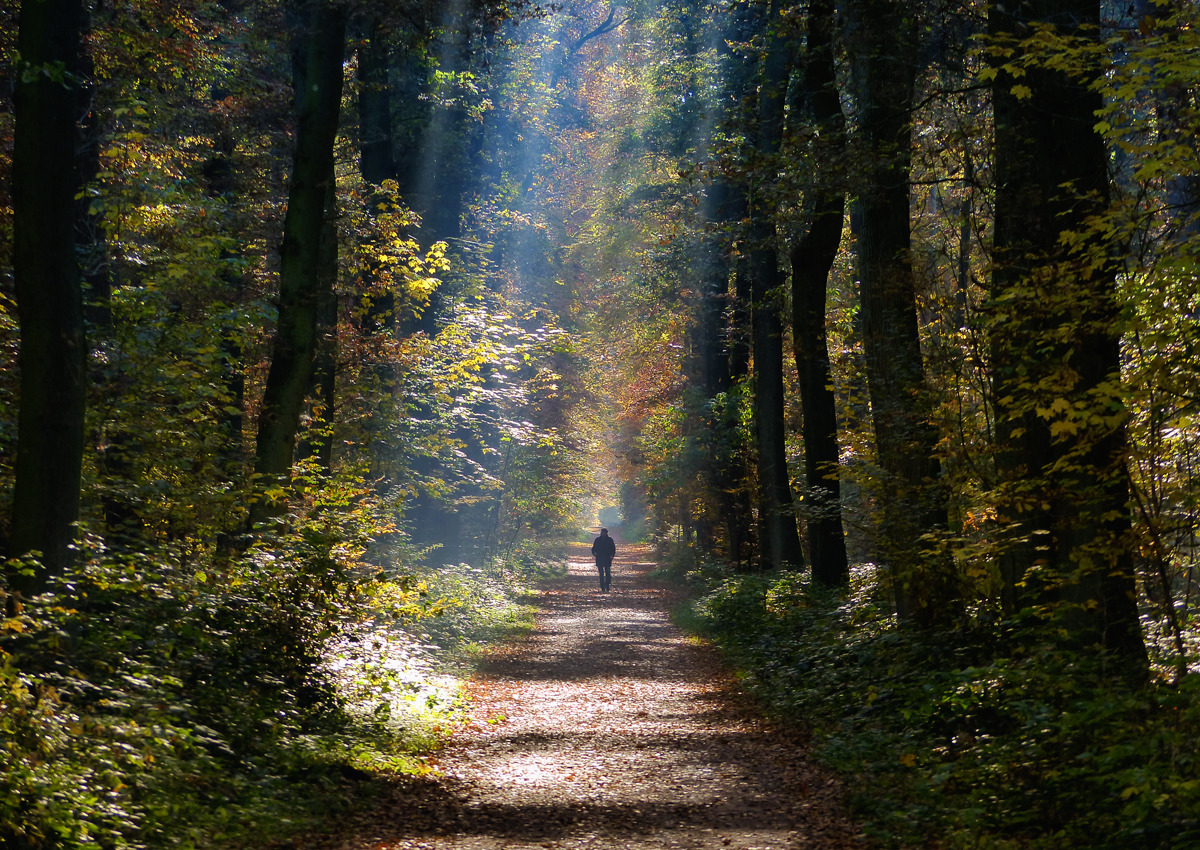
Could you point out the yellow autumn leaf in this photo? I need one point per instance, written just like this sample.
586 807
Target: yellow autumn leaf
1063 426
1059 405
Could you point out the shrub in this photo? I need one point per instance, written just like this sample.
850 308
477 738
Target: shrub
965 733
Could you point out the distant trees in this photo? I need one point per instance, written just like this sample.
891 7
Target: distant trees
919 300
436 278
693 198
202 371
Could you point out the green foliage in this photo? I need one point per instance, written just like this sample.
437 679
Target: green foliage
987 739
148 703
152 706
177 691
474 609
165 701
396 672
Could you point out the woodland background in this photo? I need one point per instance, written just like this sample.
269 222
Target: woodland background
324 323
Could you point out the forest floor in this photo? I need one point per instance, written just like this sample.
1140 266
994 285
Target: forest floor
607 727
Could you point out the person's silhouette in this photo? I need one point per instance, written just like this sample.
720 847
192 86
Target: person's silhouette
604 549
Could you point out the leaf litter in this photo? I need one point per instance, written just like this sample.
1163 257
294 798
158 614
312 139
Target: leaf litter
607 727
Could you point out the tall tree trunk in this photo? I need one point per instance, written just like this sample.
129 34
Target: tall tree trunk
724 207
222 184
1063 499
725 322
376 162
883 36
812 257
317 441
777 517
318 94
53 354
780 539
744 544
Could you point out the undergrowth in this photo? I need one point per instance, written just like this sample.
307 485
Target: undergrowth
148 703
963 738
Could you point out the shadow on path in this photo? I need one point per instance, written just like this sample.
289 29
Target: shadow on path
606 727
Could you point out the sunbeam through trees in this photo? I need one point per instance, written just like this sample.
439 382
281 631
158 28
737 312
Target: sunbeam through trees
330 327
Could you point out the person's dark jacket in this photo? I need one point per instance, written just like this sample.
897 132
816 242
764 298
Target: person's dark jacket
604 549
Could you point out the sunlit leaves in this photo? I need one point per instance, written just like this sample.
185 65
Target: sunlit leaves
386 258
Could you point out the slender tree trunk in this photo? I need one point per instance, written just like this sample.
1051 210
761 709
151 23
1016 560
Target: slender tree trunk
812 257
53 354
912 504
727 310
376 160
777 517
317 441
744 544
721 210
318 93
724 207
1063 499
222 184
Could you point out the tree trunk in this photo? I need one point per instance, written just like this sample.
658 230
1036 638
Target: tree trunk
376 160
777 517
318 94
721 368
728 299
744 544
812 257
222 184
317 441
884 38
1063 498
53 354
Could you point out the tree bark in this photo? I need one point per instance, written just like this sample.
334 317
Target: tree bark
812 257
317 441
52 356
318 95
777 517
721 368
1063 498
377 161
885 50
725 326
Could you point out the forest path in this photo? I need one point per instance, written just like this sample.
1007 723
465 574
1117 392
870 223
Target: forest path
606 727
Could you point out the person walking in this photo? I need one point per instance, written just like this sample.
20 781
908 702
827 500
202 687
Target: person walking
604 550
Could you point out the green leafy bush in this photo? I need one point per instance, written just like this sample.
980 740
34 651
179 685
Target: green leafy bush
149 702
966 733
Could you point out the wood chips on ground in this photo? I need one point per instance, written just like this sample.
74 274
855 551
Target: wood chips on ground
607 727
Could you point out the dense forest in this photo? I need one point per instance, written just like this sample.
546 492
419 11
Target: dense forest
325 323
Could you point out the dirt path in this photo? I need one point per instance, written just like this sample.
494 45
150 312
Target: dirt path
607 728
